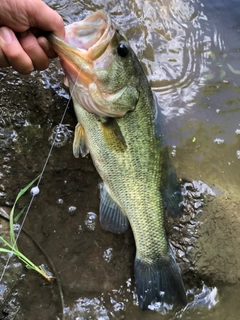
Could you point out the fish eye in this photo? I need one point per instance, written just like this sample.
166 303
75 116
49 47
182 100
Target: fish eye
122 50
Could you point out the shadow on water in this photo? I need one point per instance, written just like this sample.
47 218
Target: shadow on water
190 53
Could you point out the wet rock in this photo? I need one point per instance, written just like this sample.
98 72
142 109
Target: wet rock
205 238
218 243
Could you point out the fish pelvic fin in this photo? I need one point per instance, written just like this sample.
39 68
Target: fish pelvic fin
79 142
160 281
111 216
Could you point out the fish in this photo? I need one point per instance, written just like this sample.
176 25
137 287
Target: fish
116 113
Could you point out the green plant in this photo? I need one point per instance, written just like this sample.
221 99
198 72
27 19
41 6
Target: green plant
12 246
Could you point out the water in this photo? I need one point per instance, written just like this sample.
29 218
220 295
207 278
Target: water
190 51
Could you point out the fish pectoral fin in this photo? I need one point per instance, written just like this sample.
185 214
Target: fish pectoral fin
65 81
112 135
79 142
111 216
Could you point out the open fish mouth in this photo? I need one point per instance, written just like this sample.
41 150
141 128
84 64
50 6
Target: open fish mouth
86 42
88 50
91 35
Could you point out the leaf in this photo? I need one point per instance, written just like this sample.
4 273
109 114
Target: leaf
13 247
18 216
212 55
232 69
12 235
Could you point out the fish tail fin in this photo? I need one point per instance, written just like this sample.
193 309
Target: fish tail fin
159 280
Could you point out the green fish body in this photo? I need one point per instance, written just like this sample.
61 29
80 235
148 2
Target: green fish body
116 115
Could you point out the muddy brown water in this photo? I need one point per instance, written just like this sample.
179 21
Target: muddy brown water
190 51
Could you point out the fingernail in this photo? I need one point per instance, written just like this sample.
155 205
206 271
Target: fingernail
22 34
6 34
45 46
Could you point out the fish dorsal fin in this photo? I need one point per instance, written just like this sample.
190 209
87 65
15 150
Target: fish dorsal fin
111 216
79 142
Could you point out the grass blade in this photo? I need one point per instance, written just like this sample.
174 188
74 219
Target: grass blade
11 220
28 263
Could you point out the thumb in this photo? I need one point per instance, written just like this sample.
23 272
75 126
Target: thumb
48 20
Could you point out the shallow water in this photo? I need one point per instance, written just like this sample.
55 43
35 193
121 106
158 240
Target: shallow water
190 51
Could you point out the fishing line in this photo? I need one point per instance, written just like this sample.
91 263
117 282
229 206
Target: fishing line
39 180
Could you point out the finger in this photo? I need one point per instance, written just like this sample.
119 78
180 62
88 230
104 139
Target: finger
14 53
3 60
31 46
48 20
45 45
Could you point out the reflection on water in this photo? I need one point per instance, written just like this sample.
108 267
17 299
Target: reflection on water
201 299
59 136
90 220
190 52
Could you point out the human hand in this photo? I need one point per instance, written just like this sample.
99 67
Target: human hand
22 22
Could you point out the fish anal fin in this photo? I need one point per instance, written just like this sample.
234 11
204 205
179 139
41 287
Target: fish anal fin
159 280
111 216
79 142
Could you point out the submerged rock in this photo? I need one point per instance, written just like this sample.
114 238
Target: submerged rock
206 238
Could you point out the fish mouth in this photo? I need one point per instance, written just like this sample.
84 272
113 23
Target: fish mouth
84 44
87 54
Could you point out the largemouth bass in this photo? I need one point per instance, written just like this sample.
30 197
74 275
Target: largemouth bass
116 113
